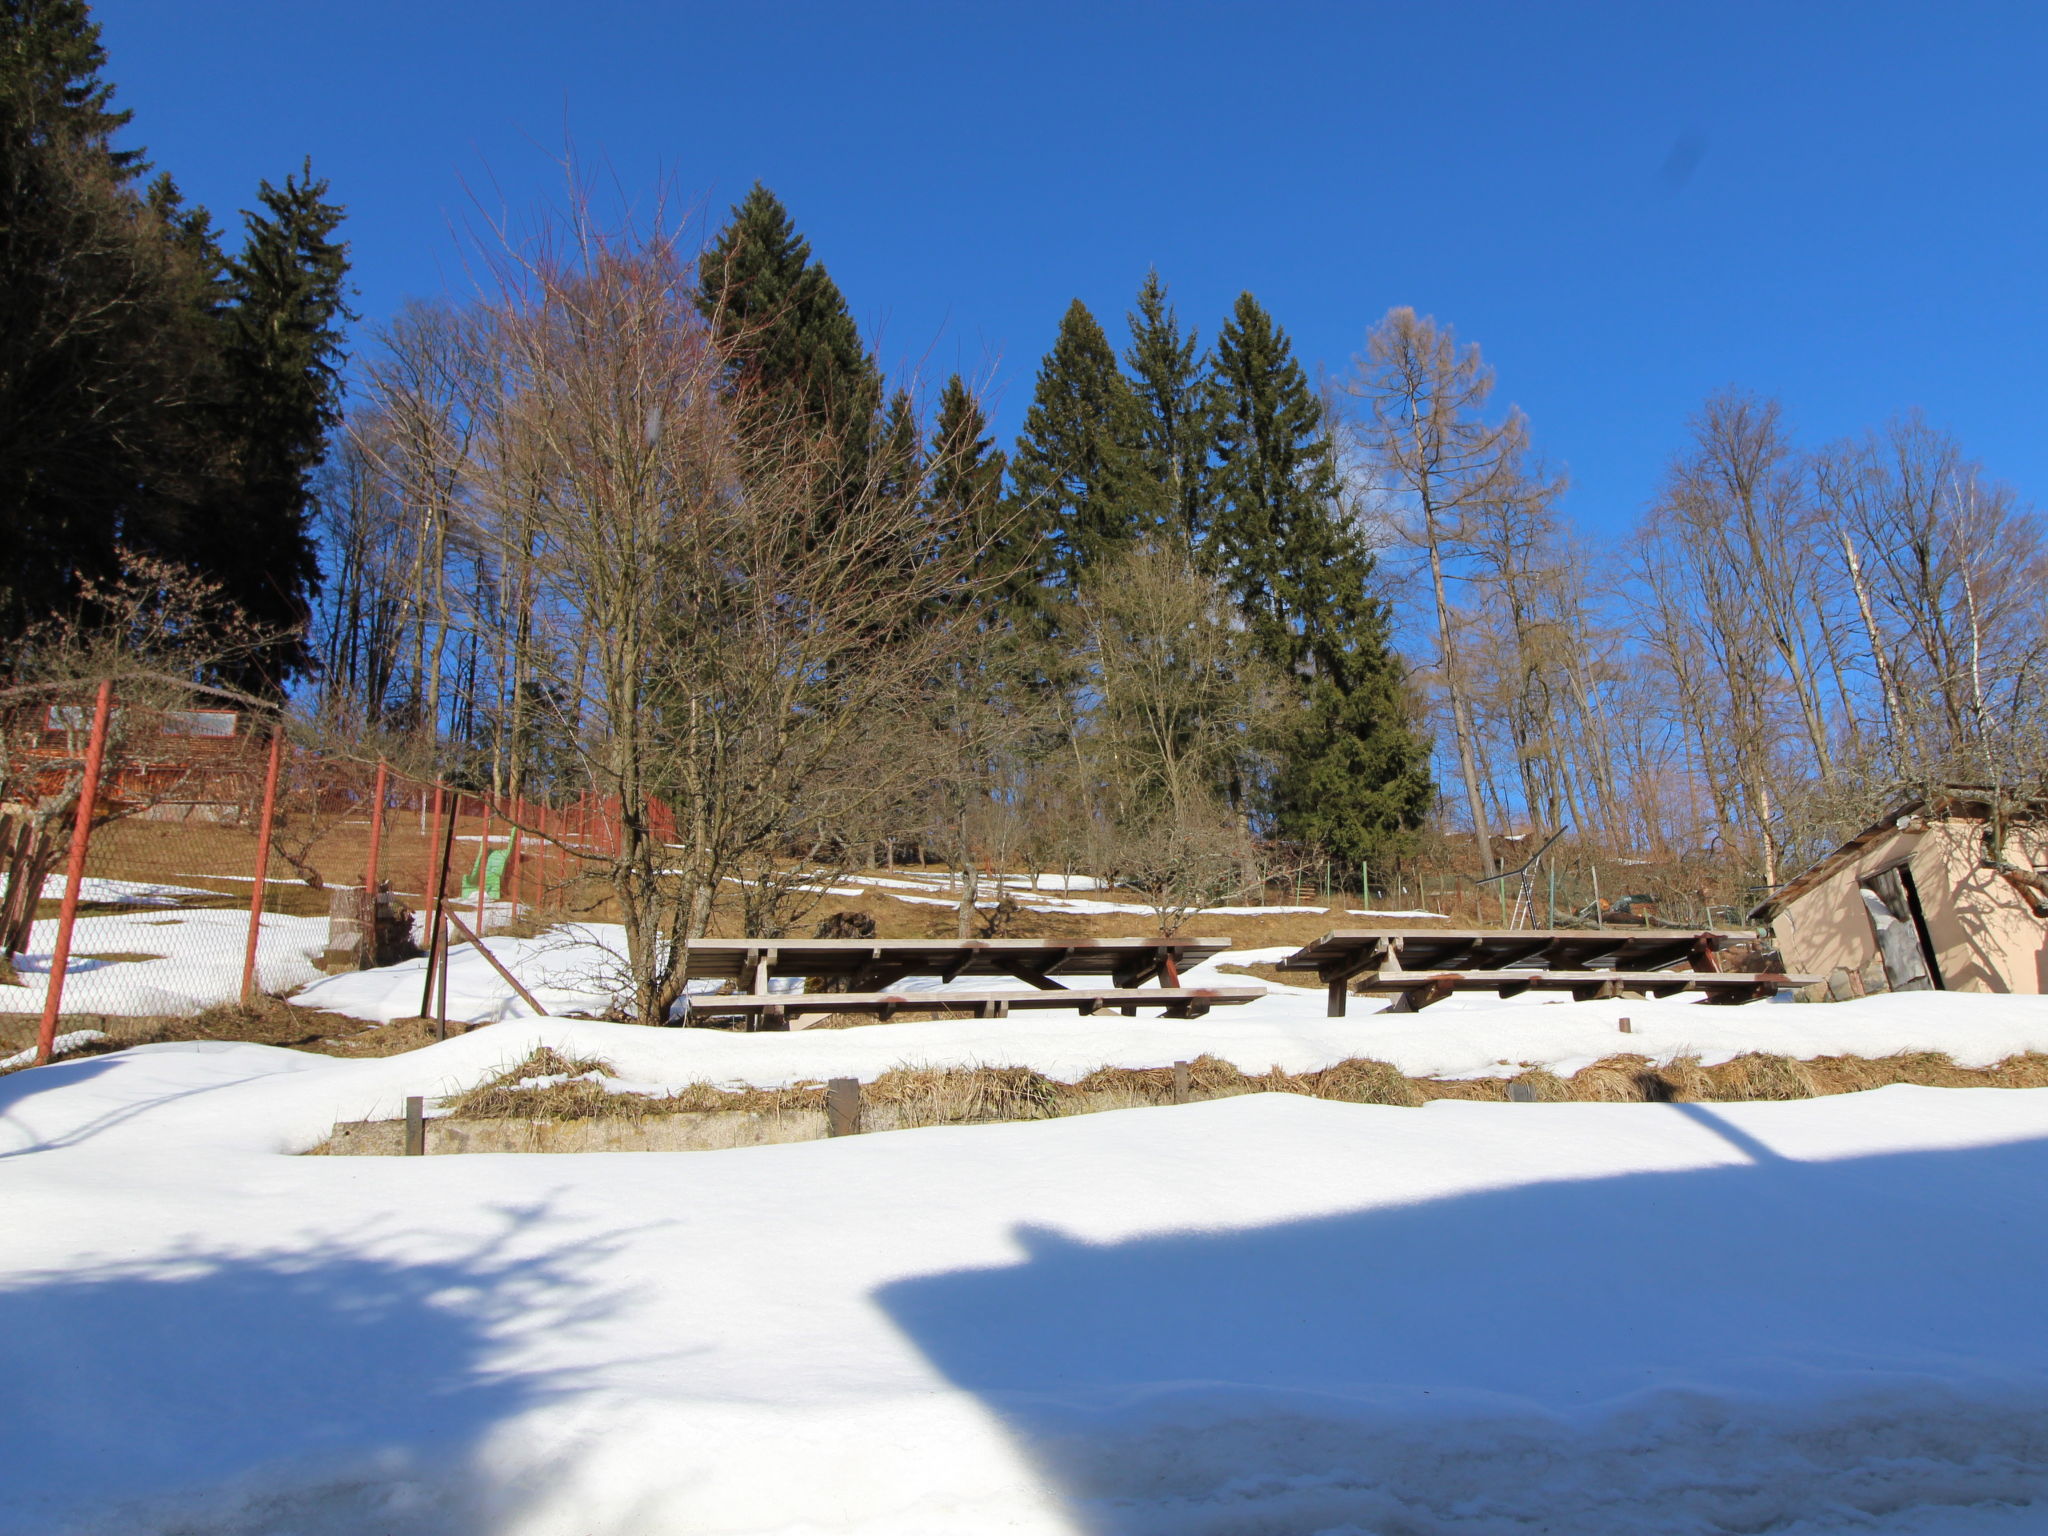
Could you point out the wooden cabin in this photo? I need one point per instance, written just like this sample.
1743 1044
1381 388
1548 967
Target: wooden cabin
1917 902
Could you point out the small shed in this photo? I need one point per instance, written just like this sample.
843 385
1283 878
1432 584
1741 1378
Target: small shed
1921 900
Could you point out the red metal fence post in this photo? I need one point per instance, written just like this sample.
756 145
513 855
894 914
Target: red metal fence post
262 866
74 875
483 863
376 830
433 850
367 951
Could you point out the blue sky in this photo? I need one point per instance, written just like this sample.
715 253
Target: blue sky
1627 206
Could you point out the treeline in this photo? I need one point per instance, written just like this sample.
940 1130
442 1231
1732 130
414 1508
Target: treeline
1186 575
164 395
1172 665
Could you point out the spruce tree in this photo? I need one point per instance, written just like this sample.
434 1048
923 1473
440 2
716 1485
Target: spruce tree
1355 776
281 366
787 326
899 462
966 491
1078 476
966 465
1168 375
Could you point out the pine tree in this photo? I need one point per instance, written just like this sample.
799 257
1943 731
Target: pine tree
787 325
1078 476
1167 373
1355 776
281 364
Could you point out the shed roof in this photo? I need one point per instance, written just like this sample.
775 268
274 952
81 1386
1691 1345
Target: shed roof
1953 802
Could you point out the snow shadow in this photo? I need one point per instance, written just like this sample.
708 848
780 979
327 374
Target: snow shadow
311 1390
1739 1348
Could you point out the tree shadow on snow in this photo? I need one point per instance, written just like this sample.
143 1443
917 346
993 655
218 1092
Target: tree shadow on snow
1704 1351
344 1387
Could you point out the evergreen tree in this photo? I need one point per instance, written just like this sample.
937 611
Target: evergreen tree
899 462
281 365
1355 777
51 94
1079 477
89 293
787 325
966 465
153 394
966 489
1167 374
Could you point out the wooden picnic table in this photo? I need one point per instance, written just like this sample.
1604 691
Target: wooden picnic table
860 973
1424 965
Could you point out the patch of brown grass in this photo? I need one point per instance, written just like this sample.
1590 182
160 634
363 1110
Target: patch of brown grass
268 1021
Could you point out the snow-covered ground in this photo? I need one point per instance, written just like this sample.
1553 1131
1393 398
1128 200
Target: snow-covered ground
1264 1314
1027 891
199 954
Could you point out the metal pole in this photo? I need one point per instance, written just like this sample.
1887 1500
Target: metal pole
483 862
74 874
366 947
433 843
376 829
262 866
437 931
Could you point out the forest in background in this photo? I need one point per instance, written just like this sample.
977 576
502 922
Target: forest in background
649 521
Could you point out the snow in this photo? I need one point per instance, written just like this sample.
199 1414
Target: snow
60 1045
1263 1314
200 954
100 891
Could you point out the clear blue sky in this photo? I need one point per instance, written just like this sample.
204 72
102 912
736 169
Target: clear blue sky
1627 205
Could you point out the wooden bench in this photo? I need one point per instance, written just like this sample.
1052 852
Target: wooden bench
1416 990
777 1010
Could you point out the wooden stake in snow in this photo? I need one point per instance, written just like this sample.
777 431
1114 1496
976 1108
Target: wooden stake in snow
1627 1028
415 1127
1182 1082
498 965
74 875
842 1107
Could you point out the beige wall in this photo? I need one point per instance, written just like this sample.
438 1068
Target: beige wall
1986 939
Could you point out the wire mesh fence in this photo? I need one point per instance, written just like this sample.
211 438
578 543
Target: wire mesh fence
222 862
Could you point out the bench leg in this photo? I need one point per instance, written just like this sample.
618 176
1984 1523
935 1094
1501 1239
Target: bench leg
1340 995
1415 999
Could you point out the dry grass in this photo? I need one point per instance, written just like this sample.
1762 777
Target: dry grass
923 1096
269 1022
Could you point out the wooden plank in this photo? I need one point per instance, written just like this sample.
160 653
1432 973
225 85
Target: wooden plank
792 1004
512 981
730 959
